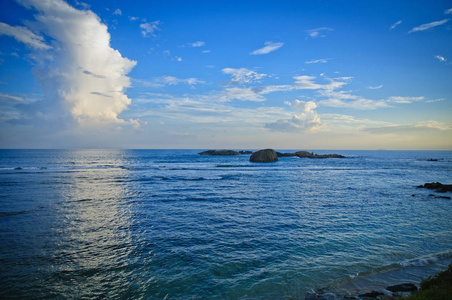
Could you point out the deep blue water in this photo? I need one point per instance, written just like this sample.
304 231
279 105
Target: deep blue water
171 224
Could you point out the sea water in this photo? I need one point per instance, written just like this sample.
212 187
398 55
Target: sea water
172 224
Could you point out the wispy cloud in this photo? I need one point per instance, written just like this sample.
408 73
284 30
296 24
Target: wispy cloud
441 58
448 11
150 28
375 87
6 97
117 12
24 35
168 81
395 25
243 75
198 44
269 47
318 32
317 61
428 26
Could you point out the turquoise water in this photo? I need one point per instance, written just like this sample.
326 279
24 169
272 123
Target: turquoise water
171 224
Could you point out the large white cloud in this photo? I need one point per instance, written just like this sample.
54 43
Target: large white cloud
79 72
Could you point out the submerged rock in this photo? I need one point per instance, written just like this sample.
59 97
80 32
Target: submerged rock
404 287
219 152
266 155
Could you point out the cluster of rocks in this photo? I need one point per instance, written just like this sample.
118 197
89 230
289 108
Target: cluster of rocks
269 155
438 187
391 292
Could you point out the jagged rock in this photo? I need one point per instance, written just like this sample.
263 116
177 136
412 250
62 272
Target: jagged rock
439 187
219 152
404 287
280 154
266 155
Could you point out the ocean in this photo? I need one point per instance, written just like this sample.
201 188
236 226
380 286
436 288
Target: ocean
172 224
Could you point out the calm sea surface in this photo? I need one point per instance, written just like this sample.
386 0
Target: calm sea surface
171 224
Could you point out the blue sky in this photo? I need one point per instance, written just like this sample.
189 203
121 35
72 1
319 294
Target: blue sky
226 74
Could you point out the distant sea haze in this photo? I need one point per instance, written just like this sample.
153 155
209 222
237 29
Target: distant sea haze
172 224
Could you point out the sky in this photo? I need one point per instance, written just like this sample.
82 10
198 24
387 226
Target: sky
358 75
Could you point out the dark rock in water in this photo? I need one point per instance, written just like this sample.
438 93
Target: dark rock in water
245 152
404 287
266 155
219 152
306 154
372 294
280 154
439 187
442 197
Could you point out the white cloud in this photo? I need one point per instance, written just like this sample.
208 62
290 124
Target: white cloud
198 44
170 80
398 99
317 32
117 12
243 75
81 74
306 121
242 94
306 106
134 18
420 127
375 87
24 35
448 11
428 26
395 25
269 47
7 97
149 29
316 61
441 58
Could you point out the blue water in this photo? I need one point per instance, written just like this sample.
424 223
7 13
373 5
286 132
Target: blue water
171 224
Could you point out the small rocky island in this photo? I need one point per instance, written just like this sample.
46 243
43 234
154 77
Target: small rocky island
269 155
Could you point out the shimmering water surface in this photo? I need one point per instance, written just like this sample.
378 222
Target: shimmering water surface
171 224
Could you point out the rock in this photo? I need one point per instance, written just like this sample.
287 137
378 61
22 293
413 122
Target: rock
372 294
306 154
439 187
219 152
266 155
246 152
404 287
280 154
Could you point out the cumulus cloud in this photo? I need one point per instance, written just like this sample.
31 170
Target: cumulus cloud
81 73
243 75
395 25
24 35
306 121
318 32
269 47
150 28
428 26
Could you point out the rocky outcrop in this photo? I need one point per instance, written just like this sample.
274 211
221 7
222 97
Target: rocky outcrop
219 152
404 287
266 155
245 152
439 187
306 154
